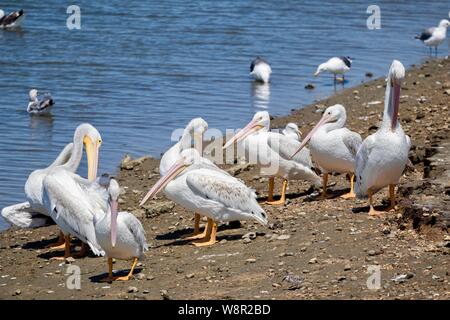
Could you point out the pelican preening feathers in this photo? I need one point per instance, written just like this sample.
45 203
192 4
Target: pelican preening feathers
12 20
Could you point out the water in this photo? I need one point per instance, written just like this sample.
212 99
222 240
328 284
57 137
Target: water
138 70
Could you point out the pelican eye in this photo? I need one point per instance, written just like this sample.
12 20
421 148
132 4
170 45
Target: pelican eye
99 141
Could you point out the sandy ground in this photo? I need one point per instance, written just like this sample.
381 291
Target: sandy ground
312 248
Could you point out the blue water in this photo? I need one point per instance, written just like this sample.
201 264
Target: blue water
137 70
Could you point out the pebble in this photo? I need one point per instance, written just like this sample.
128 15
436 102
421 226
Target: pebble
249 235
347 267
132 290
70 260
190 276
312 261
146 292
150 277
251 260
17 292
283 237
140 276
165 295
247 240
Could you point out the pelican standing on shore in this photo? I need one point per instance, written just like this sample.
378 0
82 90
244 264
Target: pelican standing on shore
119 234
39 106
32 213
383 155
272 152
71 200
335 65
333 147
194 131
433 37
260 70
12 20
191 183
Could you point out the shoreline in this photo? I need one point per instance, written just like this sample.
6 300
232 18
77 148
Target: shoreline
327 245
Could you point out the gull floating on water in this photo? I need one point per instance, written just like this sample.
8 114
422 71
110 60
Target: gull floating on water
37 105
119 234
383 155
434 36
260 70
333 147
192 183
12 20
335 65
272 152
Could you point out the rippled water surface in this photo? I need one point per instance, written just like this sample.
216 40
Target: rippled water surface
137 70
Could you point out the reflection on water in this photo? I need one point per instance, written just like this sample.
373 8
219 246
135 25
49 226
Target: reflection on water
260 95
41 127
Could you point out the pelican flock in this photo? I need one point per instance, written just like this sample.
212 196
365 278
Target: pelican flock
434 36
39 105
382 157
272 152
333 147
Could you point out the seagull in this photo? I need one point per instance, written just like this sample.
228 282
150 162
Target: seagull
333 147
383 155
38 106
11 20
119 234
434 36
260 70
335 65
271 152
291 131
194 185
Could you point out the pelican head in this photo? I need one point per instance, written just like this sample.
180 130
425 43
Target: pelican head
114 192
187 158
444 23
395 78
92 141
33 92
197 128
260 121
333 114
291 129
2 13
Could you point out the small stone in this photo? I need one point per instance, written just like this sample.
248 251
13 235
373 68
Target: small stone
251 260
347 267
140 276
50 292
283 237
190 276
341 278
18 292
146 292
309 86
247 240
165 295
249 235
70 260
371 252
312 261
150 277
132 290
223 241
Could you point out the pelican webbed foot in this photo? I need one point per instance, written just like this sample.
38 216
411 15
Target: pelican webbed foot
283 195
351 194
196 234
210 238
66 250
59 244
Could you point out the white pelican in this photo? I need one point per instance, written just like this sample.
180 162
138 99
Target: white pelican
333 147
12 20
434 36
272 152
193 131
72 200
335 65
31 213
39 106
120 234
260 70
194 185
383 155
291 131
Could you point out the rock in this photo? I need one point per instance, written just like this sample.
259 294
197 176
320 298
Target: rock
402 277
247 240
155 209
235 170
341 278
374 103
251 260
128 164
283 237
347 267
371 252
249 235
18 292
132 290
69 260
313 261
139 276
447 92
294 282
150 277
165 295
146 292
190 276
309 86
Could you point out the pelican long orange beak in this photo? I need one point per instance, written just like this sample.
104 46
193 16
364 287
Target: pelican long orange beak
173 172
325 119
251 127
92 149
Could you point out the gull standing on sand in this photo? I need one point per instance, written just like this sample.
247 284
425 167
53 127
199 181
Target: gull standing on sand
194 185
260 70
333 147
32 213
383 155
272 152
12 20
433 37
119 234
335 65
194 131
39 106
71 200
291 131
